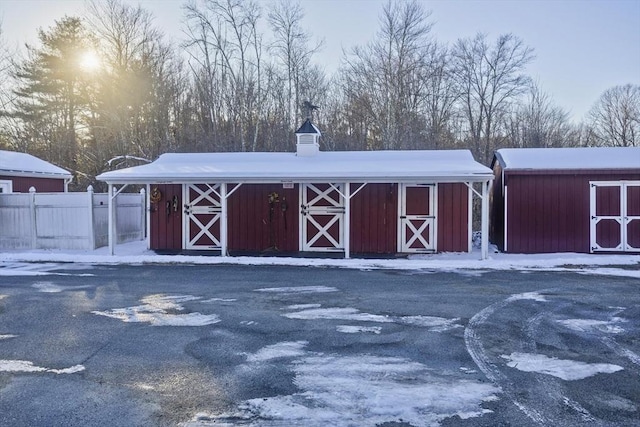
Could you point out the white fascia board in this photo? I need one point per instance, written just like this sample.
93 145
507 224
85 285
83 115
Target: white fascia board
29 174
299 179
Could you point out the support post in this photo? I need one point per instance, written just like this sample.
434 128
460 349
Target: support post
147 213
347 220
32 217
223 219
111 221
485 219
92 231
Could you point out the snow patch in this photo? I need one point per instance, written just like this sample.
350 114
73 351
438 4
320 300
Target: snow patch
590 325
535 296
350 314
434 324
568 370
6 336
26 366
278 351
363 390
158 310
299 289
303 306
49 287
219 300
351 329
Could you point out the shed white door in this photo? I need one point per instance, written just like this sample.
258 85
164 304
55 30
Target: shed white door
322 217
615 216
202 212
5 187
417 218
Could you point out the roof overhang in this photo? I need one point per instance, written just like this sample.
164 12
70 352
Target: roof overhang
28 174
372 167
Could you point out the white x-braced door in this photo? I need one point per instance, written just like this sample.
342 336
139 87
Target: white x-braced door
615 216
322 217
202 209
417 218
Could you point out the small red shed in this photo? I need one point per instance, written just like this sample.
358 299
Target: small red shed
20 171
566 200
370 202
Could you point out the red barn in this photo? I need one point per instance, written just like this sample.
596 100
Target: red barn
370 202
566 200
20 171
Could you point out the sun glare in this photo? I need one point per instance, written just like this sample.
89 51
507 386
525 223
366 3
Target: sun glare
89 61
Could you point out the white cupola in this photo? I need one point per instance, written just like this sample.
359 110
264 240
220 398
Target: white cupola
307 140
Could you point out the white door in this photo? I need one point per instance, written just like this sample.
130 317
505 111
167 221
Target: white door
417 218
202 212
615 216
322 217
6 187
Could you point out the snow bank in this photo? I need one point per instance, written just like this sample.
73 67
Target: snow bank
136 253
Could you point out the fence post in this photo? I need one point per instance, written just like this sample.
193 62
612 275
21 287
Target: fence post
32 214
143 214
92 231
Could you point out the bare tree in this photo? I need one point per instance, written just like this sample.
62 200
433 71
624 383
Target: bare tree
539 123
226 32
291 47
133 111
489 78
385 80
615 118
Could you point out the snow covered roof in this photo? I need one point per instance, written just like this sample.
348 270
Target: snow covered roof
13 163
569 158
332 166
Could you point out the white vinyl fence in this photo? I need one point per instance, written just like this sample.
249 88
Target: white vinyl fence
68 220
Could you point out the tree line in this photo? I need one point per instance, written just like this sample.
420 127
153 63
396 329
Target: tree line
107 90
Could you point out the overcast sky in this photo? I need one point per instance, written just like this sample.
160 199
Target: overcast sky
582 47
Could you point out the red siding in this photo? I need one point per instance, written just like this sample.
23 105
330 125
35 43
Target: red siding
251 225
550 212
21 184
453 217
374 219
166 225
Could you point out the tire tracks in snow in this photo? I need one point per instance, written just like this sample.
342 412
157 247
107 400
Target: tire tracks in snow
481 358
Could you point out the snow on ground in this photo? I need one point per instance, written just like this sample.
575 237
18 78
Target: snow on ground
432 323
568 370
467 263
351 329
6 336
278 351
587 325
159 310
26 366
357 390
299 290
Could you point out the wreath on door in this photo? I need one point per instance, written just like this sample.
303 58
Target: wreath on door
155 195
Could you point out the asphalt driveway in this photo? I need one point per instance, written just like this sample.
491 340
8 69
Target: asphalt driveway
85 345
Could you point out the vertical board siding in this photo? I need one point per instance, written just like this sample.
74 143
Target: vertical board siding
453 222
67 220
550 212
374 219
15 221
252 227
166 226
21 184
